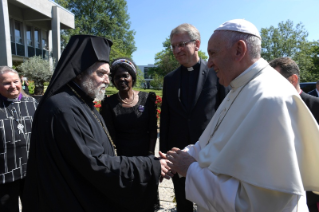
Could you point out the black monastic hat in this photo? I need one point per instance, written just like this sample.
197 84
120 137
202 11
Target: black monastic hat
80 53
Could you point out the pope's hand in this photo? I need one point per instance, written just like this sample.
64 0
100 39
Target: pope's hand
180 161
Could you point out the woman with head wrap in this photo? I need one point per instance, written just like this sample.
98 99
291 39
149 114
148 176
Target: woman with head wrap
130 115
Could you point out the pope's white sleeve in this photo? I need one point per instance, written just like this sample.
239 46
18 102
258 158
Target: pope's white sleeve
212 192
193 150
224 193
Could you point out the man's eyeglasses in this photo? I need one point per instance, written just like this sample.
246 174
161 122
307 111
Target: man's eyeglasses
181 45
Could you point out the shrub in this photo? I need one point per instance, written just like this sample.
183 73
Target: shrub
39 70
31 87
157 82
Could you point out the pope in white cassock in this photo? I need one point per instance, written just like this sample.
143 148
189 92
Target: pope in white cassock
260 151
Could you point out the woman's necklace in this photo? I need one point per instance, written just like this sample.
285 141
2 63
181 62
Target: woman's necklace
128 103
17 119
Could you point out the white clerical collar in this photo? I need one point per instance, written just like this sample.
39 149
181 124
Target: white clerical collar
192 67
248 73
12 100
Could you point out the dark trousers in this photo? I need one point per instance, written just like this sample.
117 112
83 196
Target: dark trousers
312 200
9 196
183 205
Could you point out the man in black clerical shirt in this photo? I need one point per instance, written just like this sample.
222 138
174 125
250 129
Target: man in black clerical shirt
290 70
72 162
191 95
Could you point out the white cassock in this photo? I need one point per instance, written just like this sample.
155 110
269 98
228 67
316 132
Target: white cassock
265 152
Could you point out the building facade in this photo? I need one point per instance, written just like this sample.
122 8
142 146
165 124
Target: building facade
147 76
31 28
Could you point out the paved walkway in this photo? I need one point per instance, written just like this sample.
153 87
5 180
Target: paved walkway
166 191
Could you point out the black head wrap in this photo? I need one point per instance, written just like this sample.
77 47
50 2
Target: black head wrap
80 53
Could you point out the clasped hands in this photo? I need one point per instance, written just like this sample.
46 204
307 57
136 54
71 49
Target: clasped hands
175 161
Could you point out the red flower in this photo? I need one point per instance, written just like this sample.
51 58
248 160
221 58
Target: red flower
97 105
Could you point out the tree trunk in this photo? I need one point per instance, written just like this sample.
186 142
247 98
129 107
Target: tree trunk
38 90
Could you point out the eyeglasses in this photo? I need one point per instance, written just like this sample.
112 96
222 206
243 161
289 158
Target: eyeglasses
181 45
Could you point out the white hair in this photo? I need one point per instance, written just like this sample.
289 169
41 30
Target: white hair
253 42
5 69
89 87
192 31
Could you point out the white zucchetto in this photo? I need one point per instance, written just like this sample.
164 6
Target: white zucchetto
240 25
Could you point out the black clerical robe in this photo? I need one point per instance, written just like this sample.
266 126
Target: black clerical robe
72 166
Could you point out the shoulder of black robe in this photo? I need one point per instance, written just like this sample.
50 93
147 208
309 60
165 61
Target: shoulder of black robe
72 167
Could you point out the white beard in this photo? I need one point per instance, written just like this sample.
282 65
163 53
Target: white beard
90 88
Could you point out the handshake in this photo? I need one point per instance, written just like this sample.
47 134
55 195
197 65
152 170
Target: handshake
175 161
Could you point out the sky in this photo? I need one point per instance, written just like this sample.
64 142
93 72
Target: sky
153 20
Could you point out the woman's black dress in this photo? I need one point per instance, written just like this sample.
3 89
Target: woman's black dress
132 128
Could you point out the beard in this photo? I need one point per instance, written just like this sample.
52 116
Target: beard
93 90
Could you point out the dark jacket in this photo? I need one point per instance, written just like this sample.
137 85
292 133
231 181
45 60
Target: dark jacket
178 126
313 105
313 93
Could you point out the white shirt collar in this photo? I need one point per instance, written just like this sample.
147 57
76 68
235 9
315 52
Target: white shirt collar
12 100
248 73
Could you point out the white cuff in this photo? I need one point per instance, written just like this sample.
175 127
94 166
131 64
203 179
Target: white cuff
211 192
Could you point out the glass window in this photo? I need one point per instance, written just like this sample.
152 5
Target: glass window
146 74
18 32
45 40
36 38
11 30
29 36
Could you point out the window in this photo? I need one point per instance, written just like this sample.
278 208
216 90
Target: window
29 36
44 40
18 32
12 30
146 75
36 38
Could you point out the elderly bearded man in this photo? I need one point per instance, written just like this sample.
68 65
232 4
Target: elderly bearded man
73 164
260 151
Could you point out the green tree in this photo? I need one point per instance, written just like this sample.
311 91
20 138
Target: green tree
139 78
165 61
37 69
105 18
157 82
291 41
314 55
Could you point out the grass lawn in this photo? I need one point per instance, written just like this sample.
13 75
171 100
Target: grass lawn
113 90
